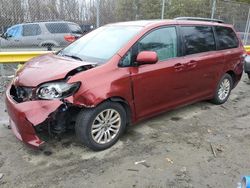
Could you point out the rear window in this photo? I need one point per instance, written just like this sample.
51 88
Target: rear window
31 30
198 39
226 38
57 27
75 29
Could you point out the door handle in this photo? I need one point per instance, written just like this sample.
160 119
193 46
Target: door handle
39 38
178 67
16 40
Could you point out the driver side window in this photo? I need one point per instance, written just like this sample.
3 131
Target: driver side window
163 41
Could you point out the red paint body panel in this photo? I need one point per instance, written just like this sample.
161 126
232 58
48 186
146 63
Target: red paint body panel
103 82
46 68
147 89
23 116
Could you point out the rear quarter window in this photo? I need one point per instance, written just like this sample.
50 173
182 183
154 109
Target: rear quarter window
75 29
226 38
57 27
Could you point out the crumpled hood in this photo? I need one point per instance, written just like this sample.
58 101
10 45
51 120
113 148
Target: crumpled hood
46 68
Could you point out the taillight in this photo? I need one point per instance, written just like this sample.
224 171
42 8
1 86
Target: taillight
69 38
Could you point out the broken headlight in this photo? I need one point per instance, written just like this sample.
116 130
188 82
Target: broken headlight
57 90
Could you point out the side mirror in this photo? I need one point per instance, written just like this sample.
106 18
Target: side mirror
5 36
147 57
2 35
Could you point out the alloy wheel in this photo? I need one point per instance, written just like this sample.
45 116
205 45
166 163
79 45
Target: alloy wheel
106 126
224 89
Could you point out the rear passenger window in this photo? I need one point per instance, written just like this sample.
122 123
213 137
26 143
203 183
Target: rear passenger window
226 38
57 27
31 30
198 39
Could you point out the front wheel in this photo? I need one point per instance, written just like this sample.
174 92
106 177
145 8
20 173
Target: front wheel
99 128
223 89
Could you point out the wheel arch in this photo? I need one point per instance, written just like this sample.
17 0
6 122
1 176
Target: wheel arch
125 105
233 75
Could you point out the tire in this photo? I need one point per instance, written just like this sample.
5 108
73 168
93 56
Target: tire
248 75
88 125
223 89
49 46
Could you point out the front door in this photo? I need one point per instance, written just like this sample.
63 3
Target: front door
162 85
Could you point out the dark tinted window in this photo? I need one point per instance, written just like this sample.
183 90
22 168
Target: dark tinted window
226 38
31 30
75 29
198 39
57 27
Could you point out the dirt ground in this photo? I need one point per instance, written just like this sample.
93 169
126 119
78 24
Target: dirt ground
176 147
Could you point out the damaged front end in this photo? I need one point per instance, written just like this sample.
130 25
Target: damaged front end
30 116
43 108
58 122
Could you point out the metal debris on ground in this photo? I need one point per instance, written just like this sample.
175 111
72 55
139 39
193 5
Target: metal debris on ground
220 148
213 151
139 162
170 160
135 170
1 176
143 162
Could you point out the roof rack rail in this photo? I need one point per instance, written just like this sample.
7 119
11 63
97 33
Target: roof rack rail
200 19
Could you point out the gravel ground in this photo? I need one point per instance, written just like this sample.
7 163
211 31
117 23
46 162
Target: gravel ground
176 147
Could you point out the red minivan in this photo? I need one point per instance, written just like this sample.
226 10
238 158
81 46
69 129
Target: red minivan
120 74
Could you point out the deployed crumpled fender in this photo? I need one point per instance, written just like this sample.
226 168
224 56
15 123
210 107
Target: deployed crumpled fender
99 88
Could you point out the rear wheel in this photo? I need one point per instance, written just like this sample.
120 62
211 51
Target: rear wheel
49 46
99 128
223 89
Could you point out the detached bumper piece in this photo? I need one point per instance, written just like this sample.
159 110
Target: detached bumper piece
28 136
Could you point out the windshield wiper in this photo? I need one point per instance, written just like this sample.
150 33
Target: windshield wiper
73 57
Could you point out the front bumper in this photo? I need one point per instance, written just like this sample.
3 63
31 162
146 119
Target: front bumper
26 115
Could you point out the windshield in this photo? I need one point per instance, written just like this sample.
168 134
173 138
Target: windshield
101 44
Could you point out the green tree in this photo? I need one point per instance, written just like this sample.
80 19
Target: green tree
244 1
151 9
127 9
193 8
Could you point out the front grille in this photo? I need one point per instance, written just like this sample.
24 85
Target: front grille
22 94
